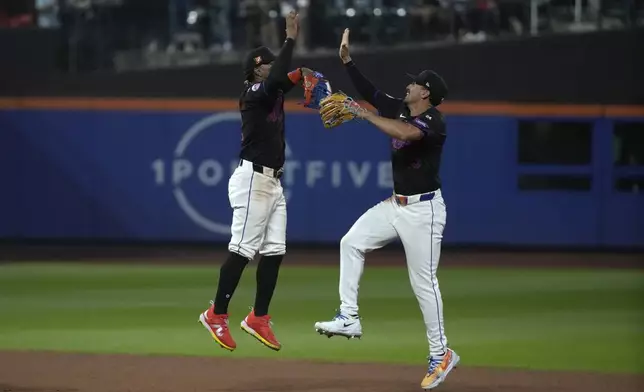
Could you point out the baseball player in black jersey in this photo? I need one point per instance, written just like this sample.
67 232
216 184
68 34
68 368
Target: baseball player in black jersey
416 212
255 191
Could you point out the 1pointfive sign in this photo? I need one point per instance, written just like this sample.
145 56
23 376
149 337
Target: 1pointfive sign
203 161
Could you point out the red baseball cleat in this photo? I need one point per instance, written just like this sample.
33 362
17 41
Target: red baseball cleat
260 328
217 325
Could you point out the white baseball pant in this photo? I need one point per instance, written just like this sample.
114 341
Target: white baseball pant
420 228
259 213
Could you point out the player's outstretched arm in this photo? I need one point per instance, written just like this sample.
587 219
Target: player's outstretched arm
384 103
278 77
395 128
339 108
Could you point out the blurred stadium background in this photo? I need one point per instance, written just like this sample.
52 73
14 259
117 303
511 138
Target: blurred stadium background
143 34
119 128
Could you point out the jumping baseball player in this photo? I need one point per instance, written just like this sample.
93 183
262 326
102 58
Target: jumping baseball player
416 212
255 191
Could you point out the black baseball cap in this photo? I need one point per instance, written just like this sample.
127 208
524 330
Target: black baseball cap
256 57
432 82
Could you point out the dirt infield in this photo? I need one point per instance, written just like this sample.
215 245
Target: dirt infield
51 372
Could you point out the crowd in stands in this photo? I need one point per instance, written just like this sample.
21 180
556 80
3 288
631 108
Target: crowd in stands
232 25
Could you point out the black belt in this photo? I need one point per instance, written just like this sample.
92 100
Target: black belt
267 171
406 200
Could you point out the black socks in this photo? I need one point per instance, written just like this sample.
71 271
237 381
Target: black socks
230 274
229 277
267 273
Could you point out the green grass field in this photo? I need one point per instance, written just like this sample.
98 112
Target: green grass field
530 318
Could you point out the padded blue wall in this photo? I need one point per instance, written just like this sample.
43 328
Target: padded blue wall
163 176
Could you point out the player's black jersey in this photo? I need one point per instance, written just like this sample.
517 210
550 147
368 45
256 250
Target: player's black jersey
415 164
262 111
262 126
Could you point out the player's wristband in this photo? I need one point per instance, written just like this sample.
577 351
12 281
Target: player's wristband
295 76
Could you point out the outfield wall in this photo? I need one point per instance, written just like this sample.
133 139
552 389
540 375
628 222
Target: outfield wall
157 170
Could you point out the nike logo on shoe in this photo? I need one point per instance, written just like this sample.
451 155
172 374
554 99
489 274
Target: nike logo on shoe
349 324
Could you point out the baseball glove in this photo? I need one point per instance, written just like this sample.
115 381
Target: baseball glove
339 108
316 88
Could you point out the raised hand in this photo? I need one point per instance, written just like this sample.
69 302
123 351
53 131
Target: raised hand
292 25
344 47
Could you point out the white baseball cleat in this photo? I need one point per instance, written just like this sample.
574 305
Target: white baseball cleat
342 325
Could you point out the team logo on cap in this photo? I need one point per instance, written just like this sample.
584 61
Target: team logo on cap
258 59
